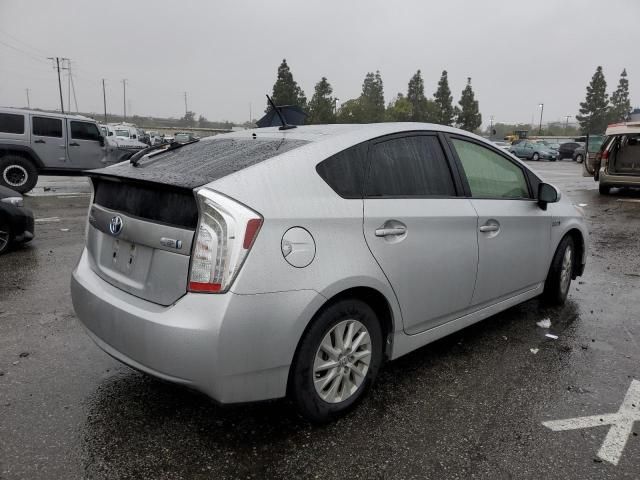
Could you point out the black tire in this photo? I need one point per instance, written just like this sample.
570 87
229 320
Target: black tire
555 290
6 239
18 173
579 158
301 382
535 157
603 189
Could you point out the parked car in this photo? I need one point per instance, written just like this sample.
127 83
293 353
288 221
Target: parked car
567 150
34 142
155 138
578 154
16 221
304 284
533 151
184 137
167 138
503 145
618 162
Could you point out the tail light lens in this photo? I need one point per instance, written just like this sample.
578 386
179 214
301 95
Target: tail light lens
226 232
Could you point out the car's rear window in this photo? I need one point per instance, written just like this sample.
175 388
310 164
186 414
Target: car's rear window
11 123
199 163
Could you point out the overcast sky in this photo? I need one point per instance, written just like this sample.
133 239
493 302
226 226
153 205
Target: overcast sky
225 54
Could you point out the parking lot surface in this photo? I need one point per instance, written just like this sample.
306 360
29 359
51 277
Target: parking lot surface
471 405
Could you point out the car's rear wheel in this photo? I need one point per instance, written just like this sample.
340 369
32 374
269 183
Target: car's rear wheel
579 158
535 156
18 173
6 238
337 360
556 287
603 189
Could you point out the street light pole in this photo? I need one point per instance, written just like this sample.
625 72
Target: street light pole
566 125
541 111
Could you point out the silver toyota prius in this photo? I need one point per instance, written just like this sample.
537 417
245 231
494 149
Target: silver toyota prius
294 262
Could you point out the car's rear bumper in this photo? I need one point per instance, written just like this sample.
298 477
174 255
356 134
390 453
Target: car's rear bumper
234 348
609 180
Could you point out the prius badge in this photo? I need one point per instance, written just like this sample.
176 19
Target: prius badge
115 225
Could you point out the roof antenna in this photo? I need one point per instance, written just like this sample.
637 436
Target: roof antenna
285 125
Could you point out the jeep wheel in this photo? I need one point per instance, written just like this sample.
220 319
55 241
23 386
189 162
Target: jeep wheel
18 173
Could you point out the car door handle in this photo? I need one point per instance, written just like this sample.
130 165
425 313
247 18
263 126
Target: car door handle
387 232
490 228
74 144
39 141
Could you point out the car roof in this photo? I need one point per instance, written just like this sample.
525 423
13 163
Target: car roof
623 128
25 111
352 133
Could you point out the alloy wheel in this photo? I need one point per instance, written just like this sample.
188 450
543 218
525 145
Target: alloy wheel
15 175
342 361
4 239
566 271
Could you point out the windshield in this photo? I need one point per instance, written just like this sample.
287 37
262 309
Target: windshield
122 133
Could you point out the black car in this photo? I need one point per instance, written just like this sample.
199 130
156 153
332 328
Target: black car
566 150
16 221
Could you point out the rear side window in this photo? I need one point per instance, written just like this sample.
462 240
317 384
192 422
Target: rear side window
47 127
344 172
489 174
408 167
11 123
84 131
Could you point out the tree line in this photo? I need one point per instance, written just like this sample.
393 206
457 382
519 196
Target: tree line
599 109
370 106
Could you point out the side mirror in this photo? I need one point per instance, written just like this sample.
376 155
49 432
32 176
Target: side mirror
547 194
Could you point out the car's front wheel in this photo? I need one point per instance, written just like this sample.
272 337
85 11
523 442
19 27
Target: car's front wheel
556 287
579 158
535 156
337 360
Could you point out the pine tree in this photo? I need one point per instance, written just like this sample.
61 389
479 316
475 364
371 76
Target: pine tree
399 110
468 117
445 113
322 104
415 96
620 102
351 112
372 98
594 111
286 91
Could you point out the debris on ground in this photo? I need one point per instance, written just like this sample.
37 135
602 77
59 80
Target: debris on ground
23 354
534 350
583 204
550 335
64 229
544 323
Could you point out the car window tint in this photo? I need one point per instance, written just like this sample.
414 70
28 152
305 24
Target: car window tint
344 171
410 166
84 131
490 174
10 123
47 127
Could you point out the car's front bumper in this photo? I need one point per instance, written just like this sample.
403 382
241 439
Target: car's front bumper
22 223
234 348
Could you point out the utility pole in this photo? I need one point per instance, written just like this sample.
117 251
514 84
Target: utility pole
335 105
104 101
28 102
566 125
124 98
491 126
57 59
540 126
186 109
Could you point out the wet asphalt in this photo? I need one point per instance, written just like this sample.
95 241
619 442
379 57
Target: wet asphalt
467 406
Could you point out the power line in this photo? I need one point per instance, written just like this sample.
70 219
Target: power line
24 52
37 51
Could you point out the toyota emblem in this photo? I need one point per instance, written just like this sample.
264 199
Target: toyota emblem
115 225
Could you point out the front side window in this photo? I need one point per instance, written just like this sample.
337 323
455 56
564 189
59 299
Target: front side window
11 123
410 166
84 131
489 174
47 127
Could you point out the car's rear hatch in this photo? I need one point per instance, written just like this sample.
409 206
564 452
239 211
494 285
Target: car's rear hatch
624 155
143 218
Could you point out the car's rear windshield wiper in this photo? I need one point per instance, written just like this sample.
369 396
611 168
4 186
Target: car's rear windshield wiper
135 158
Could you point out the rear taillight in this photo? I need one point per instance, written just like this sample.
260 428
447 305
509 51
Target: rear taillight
604 158
226 232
